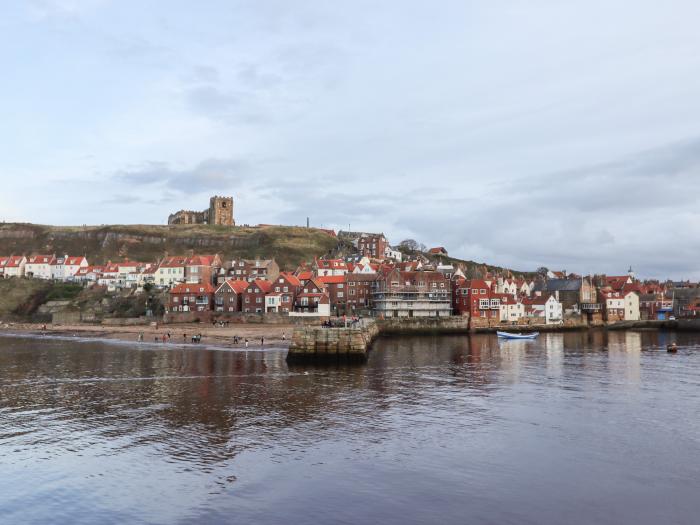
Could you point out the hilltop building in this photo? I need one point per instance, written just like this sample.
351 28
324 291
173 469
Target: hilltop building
220 212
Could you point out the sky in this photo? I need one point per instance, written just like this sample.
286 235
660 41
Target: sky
521 133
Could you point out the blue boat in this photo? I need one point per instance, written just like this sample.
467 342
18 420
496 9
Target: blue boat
509 335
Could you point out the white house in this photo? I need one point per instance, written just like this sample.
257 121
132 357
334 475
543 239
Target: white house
632 312
13 266
171 271
39 266
71 265
511 310
391 253
545 308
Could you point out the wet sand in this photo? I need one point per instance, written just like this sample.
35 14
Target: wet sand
275 335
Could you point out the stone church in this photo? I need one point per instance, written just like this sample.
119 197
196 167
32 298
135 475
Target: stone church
220 212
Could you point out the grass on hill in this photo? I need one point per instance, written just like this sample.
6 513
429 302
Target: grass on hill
289 245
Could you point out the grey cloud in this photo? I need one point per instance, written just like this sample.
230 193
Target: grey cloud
212 174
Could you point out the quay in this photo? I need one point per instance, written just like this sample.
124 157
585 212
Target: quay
352 344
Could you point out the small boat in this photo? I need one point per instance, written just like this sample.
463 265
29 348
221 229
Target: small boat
509 335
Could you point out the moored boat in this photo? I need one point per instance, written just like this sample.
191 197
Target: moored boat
510 335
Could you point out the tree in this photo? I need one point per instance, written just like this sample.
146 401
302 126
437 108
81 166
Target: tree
408 245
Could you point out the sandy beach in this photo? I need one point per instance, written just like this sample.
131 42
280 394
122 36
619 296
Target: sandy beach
275 335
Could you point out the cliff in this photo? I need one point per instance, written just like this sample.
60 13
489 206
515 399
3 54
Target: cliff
288 245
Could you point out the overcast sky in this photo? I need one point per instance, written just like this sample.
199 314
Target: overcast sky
516 132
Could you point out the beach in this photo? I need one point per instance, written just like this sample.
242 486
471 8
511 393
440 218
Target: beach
275 334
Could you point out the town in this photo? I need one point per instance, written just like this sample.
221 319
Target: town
375 279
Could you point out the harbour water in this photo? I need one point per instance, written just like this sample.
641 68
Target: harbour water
589 427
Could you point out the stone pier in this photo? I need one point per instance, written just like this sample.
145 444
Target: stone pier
316 344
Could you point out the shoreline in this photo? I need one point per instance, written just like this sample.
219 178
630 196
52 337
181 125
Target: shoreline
276 336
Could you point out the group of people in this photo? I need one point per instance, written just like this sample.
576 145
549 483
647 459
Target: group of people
166 337
197 338
353 321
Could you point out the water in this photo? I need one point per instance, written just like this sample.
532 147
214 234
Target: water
573 428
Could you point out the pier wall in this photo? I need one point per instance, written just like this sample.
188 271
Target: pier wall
331 344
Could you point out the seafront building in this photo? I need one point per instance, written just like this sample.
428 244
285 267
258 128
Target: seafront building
372 279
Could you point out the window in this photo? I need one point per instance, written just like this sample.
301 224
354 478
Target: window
247 300
277 288
258 299
340 286
483 292
475 291
340 294
483 304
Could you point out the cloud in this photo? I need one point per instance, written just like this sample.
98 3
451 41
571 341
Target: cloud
208 175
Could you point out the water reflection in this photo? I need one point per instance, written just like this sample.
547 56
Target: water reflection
109 433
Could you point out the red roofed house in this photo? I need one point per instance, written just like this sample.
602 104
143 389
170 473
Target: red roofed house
171 271
336 289
476 298
13 266
329 267
286 287
440 250
186 297
313 299
89 274
65 267
228 297
254 296
39 266
201 268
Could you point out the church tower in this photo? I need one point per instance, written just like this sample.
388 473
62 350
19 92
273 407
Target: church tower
221 211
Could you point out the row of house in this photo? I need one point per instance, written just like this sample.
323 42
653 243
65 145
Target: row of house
56 267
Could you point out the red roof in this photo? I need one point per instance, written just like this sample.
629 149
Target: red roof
14 261
192 288
236 285
265 286
40 259
74 261
305 276
291 278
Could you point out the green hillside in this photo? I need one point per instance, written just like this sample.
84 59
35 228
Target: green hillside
288 245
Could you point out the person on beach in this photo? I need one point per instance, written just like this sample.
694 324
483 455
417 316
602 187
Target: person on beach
156 339
262 340
284 336
140 337
184 338
246 342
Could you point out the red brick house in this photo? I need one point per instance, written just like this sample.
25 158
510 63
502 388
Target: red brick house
288 286
372 245
476 298
312 297
254 296
440 250
253 269
337 291
228 297
359 292
186 297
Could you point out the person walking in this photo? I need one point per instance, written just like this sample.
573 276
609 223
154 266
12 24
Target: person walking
262 340
246 342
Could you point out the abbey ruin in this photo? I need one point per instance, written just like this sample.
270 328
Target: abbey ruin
220 212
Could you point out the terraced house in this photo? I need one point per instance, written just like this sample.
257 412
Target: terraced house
186 297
